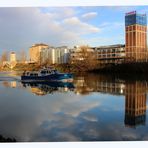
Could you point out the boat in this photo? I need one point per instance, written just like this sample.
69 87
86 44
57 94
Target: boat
46 74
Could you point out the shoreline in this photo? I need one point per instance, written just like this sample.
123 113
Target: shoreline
125 68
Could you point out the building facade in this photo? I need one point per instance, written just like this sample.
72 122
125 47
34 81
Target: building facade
13 60
12 57
59 55
136 36
38 52
80 53
54 55
112 54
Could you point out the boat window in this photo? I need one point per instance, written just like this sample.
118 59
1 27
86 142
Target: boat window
55 71
43 72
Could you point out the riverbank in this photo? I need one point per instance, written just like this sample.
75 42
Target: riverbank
124 69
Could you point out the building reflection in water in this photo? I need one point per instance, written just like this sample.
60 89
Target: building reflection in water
134 92
81 86
98 83
135 104
13 84
44 88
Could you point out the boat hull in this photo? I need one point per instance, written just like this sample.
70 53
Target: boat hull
51 77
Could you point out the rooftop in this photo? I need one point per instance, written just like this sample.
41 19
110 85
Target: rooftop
39 44
111 46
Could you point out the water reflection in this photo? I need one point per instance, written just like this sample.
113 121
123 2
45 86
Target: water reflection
134 92
93 107
99 83
43 88
135 103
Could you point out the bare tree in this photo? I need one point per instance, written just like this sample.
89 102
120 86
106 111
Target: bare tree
85 58
4 57
23 56
48 62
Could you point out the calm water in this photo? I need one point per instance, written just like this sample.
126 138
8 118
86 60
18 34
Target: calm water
92 108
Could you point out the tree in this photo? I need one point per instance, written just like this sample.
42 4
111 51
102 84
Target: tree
23 56
4 57
85 58
47 62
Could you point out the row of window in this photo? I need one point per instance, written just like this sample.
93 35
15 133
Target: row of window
136 27
111 50
111 55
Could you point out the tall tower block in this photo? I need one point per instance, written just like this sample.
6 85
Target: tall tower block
135 37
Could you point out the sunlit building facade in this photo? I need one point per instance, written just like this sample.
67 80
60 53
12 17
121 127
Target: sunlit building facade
80 54
111 54
136 36
38 52
59 55
12 57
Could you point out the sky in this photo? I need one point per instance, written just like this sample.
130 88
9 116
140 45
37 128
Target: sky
21 27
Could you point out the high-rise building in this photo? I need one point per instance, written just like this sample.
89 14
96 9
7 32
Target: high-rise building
136 36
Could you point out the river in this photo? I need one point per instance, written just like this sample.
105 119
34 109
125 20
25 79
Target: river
92 108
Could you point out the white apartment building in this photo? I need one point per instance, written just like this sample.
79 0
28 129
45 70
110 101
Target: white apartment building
59 55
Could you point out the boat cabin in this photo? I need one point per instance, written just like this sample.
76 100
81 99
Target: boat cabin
41 72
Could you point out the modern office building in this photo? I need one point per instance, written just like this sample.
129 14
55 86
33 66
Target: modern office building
112 54
136 36
135 104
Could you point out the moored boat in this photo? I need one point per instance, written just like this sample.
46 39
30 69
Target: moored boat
46 74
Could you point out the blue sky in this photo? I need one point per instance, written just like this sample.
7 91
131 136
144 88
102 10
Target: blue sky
21 27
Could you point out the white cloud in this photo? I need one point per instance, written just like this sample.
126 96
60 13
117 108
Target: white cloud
102 40
90 117
76 108
59 13
108 25
89 15
48 112
78 26
22 27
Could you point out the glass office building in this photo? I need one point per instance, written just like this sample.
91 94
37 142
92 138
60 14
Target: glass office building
136 36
